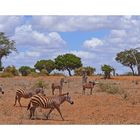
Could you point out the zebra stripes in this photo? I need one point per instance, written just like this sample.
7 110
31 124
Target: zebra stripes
52 102
21 93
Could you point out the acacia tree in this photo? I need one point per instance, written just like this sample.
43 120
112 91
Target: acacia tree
107 69
129 58
67 62
6 47
47 65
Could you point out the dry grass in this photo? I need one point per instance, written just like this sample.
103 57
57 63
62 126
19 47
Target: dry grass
100 108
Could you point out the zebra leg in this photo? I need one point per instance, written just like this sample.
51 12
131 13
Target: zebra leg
91 91
16 97
47 116
58 109
83 90
52 91
19 98
32 110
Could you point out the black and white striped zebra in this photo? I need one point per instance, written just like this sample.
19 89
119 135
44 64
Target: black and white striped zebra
52 102
1 90
21 93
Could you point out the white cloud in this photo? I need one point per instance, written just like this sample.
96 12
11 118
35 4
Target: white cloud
25 35
92 43
83 23
40 38
9 23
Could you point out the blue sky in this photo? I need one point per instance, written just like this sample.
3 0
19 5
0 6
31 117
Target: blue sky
95 39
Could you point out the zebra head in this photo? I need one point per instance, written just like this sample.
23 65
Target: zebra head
1 90
68 98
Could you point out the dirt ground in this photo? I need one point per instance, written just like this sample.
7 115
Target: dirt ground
98 108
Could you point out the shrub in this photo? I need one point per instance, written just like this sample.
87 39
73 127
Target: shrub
110 88
41 83
43 72
89 71
6 74
26 70
11 70
34 74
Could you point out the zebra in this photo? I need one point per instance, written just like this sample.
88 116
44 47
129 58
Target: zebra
1 90
21 93
52 102
58 86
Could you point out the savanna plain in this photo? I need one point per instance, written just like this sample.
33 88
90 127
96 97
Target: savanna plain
113 101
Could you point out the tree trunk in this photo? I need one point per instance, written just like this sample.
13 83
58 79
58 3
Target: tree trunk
138 68
69 72
132 70
1 64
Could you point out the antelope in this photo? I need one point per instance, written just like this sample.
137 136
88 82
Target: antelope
58 86
90 85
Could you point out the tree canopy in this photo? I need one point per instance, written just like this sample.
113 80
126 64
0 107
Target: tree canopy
6 47
47 65
67 62
107 69
129 58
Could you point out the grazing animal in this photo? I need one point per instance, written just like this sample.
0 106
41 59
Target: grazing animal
90 85
58 86
1 90
52 102
21 93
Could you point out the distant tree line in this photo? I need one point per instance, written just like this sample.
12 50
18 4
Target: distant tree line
67 62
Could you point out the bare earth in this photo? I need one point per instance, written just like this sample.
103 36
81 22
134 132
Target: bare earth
98 108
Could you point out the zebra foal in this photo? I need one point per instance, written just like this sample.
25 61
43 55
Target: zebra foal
52 102
21 93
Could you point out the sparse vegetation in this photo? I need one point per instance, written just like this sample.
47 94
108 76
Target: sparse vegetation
40 83
6 74
89 71
111 88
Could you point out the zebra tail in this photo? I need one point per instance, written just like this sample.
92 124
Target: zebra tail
29 105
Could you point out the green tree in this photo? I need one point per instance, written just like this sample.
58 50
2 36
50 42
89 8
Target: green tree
129 58
107 69
48 65
89 71
26 70
6 47
67 62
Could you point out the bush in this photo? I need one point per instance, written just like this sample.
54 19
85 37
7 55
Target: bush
40 83
26 70
110 88
6 74
34 74
43 72
89 71
11 70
